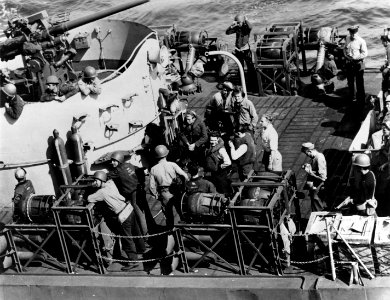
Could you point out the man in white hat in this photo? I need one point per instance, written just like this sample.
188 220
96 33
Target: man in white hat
316 175
355 51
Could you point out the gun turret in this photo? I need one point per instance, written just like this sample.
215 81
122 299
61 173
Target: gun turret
39 31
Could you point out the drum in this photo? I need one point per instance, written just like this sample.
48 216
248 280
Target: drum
202 205
35 209
270 47
191 37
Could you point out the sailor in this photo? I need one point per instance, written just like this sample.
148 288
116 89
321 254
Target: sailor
194 137
12 102
197 184
385 149
23 190
125 178
363 190
55 91
327 73
316 175
272 159
164 184
218 163
242 28
244 110
89 83
219 109
119 217
355 51
385 68
243 150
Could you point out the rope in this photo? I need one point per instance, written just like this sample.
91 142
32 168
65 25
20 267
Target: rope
135 261
131 236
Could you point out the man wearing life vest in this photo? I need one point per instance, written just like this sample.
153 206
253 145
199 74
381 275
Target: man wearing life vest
218 163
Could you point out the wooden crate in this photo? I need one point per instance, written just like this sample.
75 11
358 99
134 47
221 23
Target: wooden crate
358 232
381 248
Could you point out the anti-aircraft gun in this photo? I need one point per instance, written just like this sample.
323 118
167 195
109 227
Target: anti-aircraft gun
42 42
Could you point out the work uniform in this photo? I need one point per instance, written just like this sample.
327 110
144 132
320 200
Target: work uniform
116 203
269 141
66 89
220 110
125 179
242 50
15 108
23 191
163 186
318 167
195 133
245 114
363 190
245 162
215 157
356 48
200 185
94 87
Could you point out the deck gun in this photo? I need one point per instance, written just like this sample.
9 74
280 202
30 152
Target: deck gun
43 43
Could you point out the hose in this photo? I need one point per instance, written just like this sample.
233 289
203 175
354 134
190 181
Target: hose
320 56
190 59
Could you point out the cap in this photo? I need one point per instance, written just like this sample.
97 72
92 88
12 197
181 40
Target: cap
227 85
191 113
387 98
308 146
353 28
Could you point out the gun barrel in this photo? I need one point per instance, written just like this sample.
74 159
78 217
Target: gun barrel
61 28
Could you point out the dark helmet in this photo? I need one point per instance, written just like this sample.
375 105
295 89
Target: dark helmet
362 160
52 79
9 89
101 175
161 151
118 156
89 72
20 173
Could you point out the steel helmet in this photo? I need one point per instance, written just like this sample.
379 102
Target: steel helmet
362 160
20 173
118 156
161 151
316 79
9 89
52 79
89 72
101 175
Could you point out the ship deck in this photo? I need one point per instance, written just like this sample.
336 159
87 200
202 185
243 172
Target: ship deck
330 123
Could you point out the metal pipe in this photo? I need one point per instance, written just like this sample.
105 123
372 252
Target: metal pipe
240 68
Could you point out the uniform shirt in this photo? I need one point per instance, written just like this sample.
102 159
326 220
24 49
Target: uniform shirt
110 195
23 190
242 34
15 107
125 178
219 102
195 133
318 166
162 175
356 48
269 138
90 88
247 114
364 188
66 89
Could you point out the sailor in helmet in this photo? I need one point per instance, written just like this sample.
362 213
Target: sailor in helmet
12 102
23 190
89 83
57 91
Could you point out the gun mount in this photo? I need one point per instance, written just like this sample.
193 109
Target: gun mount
43 43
